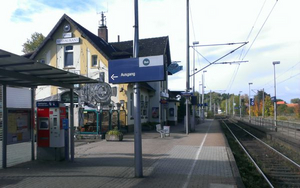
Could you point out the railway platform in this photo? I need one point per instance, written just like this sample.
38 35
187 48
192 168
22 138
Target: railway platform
200 159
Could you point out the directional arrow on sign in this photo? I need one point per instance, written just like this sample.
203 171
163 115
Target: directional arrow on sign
113 76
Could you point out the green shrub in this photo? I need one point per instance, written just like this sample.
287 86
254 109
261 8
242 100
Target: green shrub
282 118
115 131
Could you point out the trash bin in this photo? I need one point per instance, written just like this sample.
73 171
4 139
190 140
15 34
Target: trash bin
167 130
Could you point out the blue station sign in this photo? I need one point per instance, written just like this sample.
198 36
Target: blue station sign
174 68
143 69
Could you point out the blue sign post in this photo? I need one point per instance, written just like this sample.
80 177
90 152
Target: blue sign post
273 99
251 102
143 69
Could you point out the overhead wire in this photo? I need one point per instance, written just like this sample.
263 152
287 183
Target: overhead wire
260 29
253 27
281 74
235 73
289 78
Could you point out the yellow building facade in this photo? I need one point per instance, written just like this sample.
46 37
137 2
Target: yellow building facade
71 47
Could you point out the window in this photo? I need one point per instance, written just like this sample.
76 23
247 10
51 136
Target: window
94 60
68 56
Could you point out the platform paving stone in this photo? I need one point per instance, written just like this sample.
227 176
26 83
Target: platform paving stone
200 159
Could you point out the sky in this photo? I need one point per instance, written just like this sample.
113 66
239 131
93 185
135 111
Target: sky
270 27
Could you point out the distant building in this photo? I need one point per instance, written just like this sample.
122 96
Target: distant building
280 102
292 105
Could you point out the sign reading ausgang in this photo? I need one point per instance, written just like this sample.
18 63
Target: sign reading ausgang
143 69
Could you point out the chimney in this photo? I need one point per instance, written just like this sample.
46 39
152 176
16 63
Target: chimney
102 30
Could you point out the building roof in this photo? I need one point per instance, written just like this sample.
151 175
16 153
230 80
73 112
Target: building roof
280 102
147 47
100 44
293 105
115 50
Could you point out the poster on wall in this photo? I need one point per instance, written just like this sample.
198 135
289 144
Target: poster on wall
18 126
155 112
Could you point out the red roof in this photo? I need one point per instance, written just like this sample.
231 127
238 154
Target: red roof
280 102
293 105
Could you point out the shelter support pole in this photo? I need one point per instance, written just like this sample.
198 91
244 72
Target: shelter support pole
32 123
72 123
4 127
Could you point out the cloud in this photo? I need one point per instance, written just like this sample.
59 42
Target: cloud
211 22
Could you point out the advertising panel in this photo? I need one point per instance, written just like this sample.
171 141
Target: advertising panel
18 126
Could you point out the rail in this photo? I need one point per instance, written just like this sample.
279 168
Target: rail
280 169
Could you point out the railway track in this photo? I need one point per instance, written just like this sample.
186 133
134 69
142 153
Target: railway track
277 169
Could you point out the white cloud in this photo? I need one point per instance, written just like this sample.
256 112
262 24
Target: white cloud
213 21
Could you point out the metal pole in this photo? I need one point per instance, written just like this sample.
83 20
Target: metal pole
210 100
199 108
194 107
72 124
187 68
32 123
229 108
202 107
275 101
263 108
233 105
226 105
240 105
249 105
137 108
4 126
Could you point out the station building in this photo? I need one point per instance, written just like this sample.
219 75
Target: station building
71 47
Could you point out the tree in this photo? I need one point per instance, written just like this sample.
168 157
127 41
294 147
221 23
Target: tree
295 101
297 110
269 107
32 44
282 109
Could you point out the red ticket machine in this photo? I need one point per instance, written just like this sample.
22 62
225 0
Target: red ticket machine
50 132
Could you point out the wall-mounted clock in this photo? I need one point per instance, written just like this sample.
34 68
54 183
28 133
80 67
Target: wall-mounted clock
67 27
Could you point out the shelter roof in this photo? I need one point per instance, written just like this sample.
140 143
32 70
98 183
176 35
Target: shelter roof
19 71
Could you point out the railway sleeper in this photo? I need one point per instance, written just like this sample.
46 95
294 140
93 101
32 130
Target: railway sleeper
283 184
281 170
285 176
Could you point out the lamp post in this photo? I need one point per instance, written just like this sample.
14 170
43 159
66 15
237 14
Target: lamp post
263 98
275 99
249 104
203 94
194 107
240 107
187 122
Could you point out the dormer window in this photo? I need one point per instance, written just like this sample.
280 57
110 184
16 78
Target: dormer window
69 56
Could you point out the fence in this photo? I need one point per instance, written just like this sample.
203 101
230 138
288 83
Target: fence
286 128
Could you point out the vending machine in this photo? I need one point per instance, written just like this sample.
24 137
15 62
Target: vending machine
50 132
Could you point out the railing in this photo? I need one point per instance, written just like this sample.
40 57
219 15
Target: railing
286 128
